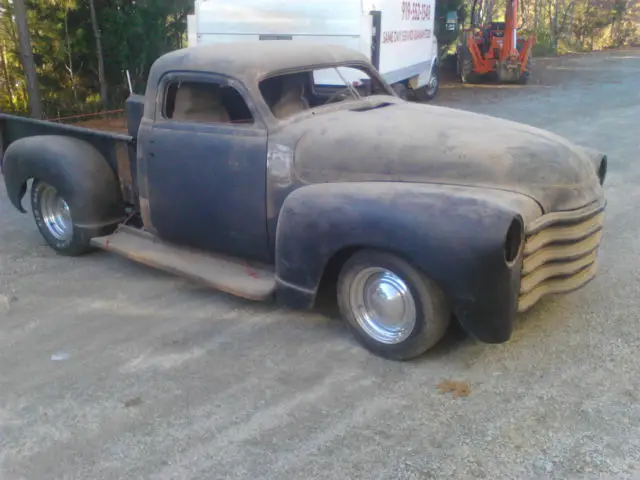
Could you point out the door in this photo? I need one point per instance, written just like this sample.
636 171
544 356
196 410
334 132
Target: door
205 163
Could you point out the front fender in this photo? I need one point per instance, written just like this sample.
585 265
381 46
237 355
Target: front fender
456 235
77 170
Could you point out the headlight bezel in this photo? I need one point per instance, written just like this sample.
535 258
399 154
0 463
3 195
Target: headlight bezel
514 241
602 169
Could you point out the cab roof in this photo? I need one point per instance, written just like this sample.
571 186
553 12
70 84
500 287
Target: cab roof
247 61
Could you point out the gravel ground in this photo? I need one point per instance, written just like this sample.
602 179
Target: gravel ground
111 370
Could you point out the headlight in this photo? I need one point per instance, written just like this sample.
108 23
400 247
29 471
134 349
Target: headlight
514 241
602 170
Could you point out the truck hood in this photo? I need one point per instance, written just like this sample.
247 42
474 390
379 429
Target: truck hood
410 142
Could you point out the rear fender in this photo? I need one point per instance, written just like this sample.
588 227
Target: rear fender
456 235
74 167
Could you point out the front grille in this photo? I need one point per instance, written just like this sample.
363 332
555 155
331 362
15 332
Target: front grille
560 253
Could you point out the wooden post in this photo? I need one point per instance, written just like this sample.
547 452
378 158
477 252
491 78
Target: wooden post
104 89
26 58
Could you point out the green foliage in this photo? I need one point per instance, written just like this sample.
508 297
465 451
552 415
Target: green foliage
134 34
544 43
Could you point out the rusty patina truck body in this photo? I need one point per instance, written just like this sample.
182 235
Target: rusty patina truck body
252 171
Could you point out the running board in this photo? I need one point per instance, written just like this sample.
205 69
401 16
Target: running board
227 274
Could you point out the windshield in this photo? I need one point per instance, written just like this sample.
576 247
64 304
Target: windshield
293 93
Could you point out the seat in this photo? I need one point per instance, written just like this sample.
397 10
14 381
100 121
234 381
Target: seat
292 100
200 103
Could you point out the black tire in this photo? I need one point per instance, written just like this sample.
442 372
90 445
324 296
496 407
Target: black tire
429 92
466 68
432 312
76 243
526 75
401 90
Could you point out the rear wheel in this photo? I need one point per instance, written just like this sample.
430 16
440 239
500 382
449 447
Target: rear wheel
393 309
466 67
401 90
429 91
526 75
54 219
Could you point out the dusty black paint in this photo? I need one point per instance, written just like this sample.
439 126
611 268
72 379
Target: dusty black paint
211 194
427 144
134 108
15 128
454 235
437 186
206 182
77 170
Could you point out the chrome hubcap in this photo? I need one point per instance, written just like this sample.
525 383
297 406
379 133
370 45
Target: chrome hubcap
433 85
383 305
56 214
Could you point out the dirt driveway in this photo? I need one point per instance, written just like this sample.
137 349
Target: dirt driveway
110 370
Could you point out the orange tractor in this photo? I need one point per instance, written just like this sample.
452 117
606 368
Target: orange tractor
495 49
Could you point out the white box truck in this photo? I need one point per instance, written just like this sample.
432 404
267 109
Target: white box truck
397 35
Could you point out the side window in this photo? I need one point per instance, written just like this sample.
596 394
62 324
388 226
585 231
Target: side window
205 102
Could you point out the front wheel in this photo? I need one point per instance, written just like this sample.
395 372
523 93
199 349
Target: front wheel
393 309
53 216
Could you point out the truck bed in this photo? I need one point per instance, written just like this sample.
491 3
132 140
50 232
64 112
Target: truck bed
116 142
102 133
112 125
13 127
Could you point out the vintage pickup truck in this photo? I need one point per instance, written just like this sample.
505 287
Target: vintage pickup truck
248 168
